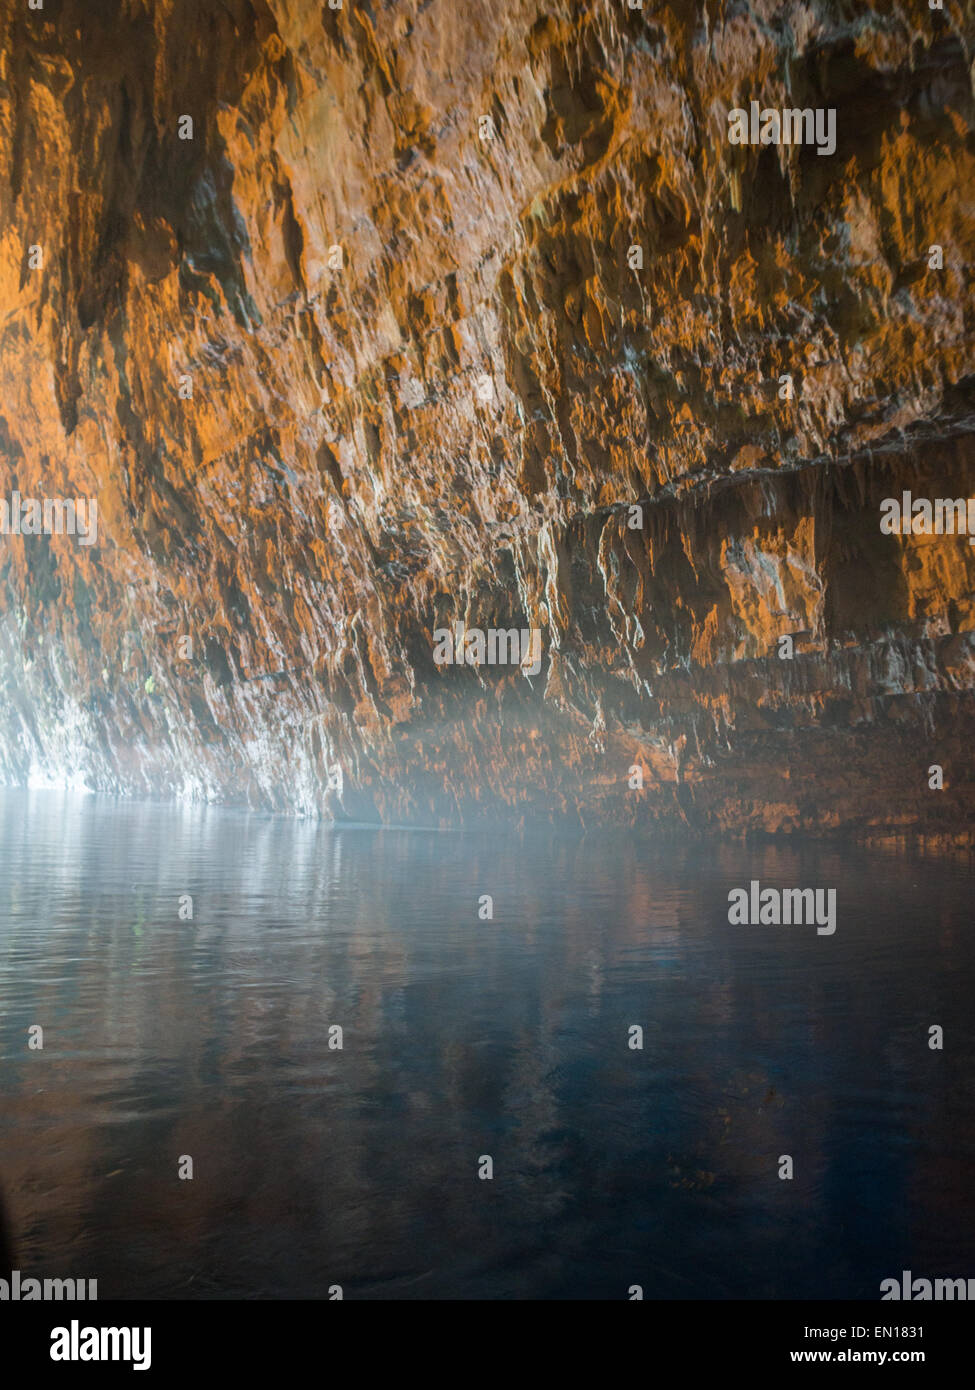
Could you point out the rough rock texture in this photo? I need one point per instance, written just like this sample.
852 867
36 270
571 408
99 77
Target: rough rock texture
341 483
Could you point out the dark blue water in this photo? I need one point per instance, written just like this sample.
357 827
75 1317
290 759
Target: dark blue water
465 1038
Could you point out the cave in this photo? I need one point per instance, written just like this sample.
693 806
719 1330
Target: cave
370 336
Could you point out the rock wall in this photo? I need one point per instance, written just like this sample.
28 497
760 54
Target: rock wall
439 313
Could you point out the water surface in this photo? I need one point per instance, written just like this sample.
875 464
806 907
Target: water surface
464 1038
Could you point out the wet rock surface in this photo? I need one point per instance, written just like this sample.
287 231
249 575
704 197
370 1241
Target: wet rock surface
373 354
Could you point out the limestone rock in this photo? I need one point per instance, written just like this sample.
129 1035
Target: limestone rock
372 354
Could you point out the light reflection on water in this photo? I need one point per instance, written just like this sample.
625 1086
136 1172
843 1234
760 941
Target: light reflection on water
462 1037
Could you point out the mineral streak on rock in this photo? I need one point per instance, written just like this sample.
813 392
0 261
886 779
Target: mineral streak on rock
432 382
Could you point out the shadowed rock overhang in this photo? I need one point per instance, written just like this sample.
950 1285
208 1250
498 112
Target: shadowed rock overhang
360 324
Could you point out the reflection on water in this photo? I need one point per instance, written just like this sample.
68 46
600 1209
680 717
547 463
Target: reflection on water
315 1166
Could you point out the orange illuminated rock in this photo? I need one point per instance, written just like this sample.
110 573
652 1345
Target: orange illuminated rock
363 323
